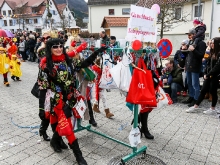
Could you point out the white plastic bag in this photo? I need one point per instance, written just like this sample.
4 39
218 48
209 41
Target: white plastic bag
121 73
107 81
134 137
47 104
80 107
162 99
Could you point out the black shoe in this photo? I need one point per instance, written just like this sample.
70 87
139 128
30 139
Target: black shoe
54 142
77 152
93 123
192 103
189 100
45 136
62 144
13 78
146 134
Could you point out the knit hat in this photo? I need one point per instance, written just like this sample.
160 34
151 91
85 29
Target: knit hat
196 21
185 42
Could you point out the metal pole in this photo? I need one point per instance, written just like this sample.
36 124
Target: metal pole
69 21
199 12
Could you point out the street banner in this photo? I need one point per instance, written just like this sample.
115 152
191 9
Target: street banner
142 24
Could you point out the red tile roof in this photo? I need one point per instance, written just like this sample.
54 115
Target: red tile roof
115 21
61 7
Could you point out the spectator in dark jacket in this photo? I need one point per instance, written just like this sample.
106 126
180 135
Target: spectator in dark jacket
211 81
180 55
193 68
32 44
104 38
176 81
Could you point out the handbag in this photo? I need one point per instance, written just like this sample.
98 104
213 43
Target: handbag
141 89
35 90
88 74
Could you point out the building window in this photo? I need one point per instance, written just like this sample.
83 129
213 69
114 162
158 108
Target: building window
9 12
66 9
111 11
126 11
50 3
5 23
27 21
197 11
4 12
35 20
10 22
178 13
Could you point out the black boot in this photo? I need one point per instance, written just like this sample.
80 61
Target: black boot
13 78
189 100
6 82
144 125
61 143
43 128
92 120
77 152
54 142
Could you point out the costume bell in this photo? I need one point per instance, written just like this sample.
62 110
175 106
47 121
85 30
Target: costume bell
15 68
4 65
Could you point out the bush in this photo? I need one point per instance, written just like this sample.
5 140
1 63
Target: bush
86 34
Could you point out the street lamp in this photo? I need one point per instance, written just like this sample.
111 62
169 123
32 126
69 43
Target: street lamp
69 18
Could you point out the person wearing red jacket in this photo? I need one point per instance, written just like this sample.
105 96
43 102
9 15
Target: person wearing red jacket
99 93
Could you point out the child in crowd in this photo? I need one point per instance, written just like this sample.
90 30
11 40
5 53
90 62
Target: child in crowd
200 29
166 75
4 65
15 68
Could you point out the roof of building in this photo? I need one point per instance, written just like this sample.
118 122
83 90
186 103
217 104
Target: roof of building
61 7
146 3
115 21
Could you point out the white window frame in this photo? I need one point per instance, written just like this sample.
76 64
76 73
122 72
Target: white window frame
180 13
193 14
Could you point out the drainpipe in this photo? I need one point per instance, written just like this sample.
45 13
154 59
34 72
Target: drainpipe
90 19
212 19
199 12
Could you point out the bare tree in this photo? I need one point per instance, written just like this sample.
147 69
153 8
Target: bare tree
171 15
64 22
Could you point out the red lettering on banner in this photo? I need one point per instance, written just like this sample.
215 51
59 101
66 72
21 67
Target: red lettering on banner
138 32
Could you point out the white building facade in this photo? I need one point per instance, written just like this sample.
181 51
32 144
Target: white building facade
35 17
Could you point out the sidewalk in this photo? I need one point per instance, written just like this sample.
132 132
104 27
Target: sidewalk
180 138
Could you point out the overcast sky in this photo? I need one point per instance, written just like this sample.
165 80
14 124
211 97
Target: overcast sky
86 0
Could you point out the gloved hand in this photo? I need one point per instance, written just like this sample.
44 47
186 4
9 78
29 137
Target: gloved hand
73 44
18 63
42 114
81 47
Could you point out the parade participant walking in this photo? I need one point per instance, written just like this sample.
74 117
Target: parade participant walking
4 65
57 74
15 68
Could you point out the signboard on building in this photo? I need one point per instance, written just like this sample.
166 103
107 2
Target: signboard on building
142 24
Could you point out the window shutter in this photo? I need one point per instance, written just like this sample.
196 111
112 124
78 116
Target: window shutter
218 1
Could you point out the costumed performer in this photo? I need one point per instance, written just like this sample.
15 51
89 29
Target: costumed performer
57 74
99 93
4 65
15 68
